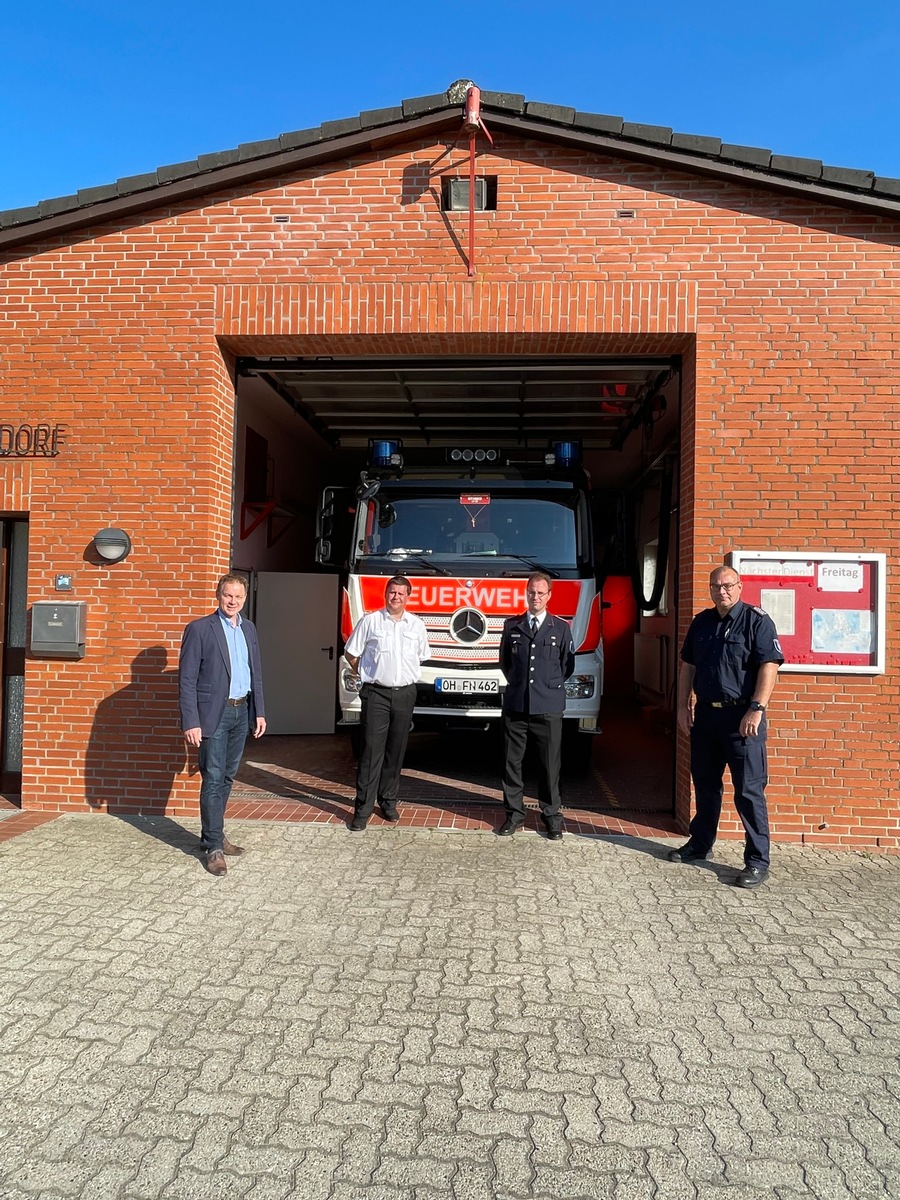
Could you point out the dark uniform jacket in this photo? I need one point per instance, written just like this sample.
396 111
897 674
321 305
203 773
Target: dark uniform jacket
536 669
727 652
204 674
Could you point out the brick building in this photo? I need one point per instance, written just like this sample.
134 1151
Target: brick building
730 311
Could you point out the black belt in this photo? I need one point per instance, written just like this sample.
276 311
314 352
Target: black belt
386 687
724 703
236 703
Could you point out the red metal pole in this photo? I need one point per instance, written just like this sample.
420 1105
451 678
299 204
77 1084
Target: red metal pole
471 203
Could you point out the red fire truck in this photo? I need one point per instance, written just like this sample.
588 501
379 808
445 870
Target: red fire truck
467 532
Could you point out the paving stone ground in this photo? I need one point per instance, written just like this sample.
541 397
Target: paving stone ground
424 1015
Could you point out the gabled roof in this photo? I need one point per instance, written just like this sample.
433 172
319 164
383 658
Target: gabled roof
379 128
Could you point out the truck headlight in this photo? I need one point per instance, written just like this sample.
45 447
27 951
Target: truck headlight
580 687
350 681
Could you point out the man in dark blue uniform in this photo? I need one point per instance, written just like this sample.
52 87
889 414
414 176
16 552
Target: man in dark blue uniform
730 662
537 656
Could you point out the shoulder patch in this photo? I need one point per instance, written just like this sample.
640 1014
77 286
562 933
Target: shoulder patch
762 612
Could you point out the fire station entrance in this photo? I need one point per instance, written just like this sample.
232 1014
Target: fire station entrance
13 619
307 424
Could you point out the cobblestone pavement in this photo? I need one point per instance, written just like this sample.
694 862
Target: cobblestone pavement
419 1015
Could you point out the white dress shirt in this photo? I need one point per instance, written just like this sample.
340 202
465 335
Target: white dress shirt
390 652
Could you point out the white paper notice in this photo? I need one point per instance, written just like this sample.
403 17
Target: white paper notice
840 577
779 603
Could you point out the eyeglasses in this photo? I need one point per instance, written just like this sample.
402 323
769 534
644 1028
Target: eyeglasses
723 587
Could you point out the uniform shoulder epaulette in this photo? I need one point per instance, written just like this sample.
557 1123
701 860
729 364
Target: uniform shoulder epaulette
762 612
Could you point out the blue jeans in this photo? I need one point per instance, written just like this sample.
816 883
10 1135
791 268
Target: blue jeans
219 758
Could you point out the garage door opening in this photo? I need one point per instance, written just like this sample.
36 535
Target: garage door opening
307 424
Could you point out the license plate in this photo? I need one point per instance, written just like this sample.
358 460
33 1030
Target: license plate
466 685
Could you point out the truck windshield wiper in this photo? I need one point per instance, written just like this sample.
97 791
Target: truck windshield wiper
530 562
418 555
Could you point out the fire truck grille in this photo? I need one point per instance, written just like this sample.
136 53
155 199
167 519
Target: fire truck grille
446 648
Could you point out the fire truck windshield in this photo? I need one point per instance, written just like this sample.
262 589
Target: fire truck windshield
473 527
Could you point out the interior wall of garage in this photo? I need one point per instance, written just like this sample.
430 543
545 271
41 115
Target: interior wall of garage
124 333
297 462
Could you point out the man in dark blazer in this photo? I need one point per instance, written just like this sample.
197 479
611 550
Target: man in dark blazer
537 656
221 697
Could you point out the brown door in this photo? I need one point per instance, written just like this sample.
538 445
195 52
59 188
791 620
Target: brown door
13 614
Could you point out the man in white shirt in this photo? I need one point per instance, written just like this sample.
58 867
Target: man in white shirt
387 649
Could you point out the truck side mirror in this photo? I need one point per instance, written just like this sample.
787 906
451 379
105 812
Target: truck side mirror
330 526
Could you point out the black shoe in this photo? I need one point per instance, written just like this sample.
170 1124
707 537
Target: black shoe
388 811
752 877
509 827
358 824
687 853
554 835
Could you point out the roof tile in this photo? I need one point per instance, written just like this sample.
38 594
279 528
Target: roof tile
209 162
49 208
249 150
647 133
95 195
599 122
695 143
849 176
20 216
177 171
751 156
550 112
136 183
380 116
425 104
511 101
810 167
299 137
331 129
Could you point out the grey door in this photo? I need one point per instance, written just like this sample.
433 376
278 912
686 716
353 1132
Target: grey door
297 621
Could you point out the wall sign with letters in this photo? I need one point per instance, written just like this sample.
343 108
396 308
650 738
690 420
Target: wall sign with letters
829 609
31 441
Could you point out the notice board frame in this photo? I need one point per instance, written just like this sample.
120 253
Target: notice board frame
800 573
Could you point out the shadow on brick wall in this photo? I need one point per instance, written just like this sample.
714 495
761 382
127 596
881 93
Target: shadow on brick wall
136 747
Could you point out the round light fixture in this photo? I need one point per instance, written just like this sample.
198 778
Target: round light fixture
112 544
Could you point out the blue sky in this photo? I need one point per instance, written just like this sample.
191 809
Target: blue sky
93 90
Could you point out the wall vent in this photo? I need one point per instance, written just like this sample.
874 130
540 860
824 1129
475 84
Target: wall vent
455 193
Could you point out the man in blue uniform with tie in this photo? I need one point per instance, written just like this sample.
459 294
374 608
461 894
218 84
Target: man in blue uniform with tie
537 656
730 662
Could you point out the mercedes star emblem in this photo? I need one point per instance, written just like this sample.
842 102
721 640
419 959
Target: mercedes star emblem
468 625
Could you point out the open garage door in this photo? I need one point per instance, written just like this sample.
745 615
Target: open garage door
512 403
307 422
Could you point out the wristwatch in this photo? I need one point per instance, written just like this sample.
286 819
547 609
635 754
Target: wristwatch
755 706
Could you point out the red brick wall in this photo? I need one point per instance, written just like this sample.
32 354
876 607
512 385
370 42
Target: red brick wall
782 307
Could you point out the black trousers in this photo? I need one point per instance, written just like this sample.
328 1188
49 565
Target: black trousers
545 732
386 719
716 742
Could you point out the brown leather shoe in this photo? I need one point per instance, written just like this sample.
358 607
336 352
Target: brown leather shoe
215 863
231 849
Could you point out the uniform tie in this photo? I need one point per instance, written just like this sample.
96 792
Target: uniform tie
532 624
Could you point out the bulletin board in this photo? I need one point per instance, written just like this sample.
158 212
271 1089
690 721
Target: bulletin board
829 609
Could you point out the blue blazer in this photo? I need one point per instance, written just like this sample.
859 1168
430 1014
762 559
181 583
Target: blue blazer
536 673
204 674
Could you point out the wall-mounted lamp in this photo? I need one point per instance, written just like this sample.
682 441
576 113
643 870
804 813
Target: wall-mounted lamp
112 544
